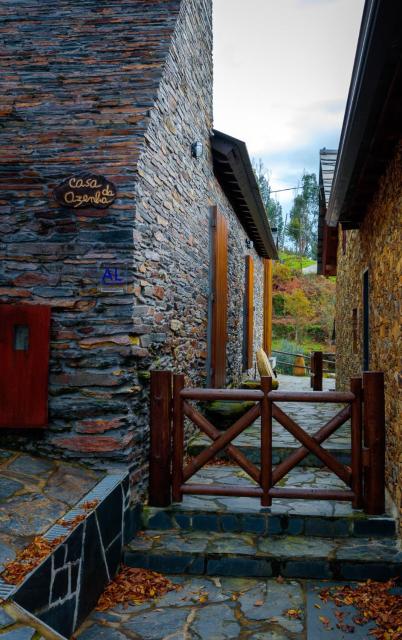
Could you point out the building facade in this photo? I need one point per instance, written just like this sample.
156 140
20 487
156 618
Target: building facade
365 210
124 92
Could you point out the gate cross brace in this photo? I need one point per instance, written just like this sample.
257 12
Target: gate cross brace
344 473
221 441
299 454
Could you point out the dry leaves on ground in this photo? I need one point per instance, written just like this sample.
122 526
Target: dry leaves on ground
29 558
134 586
87 506
375 602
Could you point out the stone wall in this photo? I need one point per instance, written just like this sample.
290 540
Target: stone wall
79 79
175 195
121 90
376 246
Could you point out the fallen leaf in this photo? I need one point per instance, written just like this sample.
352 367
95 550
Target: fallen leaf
324 620
258 603
294 613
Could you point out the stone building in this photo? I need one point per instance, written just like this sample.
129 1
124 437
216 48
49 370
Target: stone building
365 207
156 262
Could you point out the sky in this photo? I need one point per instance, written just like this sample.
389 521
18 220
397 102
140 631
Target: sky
282 71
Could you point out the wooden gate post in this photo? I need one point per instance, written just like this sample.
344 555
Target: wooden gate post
160 448
374 440
178 438
311 369
357 444
317 370
266 442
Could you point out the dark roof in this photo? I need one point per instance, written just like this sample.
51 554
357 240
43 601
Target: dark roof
372 124
326 176
235 174
327 170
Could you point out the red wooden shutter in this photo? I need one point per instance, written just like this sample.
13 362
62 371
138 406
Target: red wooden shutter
24 358
249 313
219 298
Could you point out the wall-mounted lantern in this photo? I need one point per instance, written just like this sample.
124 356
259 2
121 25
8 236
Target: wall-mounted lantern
274 232
197 149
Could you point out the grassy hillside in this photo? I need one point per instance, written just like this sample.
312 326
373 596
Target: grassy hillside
293 261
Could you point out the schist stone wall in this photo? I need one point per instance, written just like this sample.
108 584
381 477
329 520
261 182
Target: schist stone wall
376 246
122 91
79 82
175 195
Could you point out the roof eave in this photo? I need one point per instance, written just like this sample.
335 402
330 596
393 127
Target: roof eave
367 118
232 165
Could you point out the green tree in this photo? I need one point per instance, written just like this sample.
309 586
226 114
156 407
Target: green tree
303 217
272 207
298 306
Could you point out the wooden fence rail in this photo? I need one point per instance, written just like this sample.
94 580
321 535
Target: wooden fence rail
171 403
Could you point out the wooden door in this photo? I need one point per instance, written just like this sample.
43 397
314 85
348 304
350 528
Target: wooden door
249 314
219 298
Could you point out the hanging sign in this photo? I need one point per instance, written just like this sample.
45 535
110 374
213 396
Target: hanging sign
85 191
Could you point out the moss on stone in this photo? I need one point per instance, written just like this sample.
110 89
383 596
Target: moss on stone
256 384
144 376
223 413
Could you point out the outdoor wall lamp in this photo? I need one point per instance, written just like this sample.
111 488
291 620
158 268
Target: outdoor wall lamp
197 149
249 243
274 232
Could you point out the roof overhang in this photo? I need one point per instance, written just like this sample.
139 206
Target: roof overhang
372 123
234 172
327 237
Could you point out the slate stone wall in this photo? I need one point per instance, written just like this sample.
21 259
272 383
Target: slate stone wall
175 194
78 81
121 90
376 246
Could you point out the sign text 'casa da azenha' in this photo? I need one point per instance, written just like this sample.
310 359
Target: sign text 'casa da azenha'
85 191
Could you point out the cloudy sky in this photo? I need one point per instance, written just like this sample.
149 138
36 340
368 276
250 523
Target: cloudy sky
282 73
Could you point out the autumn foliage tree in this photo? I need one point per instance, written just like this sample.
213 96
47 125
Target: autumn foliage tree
298 306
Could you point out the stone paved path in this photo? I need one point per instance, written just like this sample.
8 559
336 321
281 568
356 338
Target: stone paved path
310 477
34 493
225 608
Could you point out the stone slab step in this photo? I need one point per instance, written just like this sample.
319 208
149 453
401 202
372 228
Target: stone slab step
247 555
265 523
322 518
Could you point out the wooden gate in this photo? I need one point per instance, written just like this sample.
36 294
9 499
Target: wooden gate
364 406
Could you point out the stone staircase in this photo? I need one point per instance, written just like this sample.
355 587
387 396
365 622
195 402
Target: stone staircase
228 536
235 536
